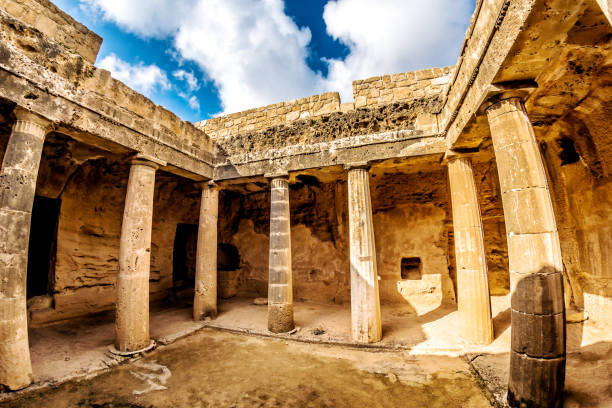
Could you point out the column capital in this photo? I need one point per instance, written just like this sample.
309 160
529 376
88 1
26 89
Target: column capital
364 165
209 184
24 115
452 155
146 160
505 91
281 174
496 107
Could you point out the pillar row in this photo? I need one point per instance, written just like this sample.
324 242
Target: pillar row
205 296
280 288
132 315
365 302
537 358
17 188
474 303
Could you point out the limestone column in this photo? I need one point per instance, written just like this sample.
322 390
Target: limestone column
537 362
365 302
132 319
280 288
474 303
17 188
205 296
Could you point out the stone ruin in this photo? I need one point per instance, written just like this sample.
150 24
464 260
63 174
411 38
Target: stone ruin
444 186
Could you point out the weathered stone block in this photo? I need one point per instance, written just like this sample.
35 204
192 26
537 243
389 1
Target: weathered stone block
360 101
540 336
229 282
14 9
523 166
530 253
469 248
536 382
14 231
540 293
539 218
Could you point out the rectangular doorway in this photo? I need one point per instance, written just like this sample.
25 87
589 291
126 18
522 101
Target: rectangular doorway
184 256
42 248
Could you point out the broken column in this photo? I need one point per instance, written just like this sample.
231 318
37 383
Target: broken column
365 302
280 288
537 362
205 296
474 303
17 188
132 320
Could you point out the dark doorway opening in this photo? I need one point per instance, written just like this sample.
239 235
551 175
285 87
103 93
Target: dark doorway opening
568 153
228 258
411 268
43 246
184 258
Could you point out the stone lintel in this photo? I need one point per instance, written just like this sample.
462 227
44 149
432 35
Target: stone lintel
277 175
331 154
358 165
147 160
209 184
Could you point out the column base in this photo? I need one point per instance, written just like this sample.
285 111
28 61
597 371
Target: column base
117 352
280 318
201 315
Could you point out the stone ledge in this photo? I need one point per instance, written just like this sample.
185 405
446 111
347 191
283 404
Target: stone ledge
377 147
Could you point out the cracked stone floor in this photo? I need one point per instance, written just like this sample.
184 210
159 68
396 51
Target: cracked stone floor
219 369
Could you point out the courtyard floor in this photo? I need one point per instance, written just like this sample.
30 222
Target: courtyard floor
221 369
417 349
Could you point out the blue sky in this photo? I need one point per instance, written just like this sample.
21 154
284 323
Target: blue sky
202 58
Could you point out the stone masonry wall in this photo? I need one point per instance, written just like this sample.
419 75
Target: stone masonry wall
257 119
408 222
382 90
402 102
89 232
56 25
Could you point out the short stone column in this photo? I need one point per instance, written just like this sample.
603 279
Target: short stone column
474 303
17 188
537 362
365 301
205 296
280 287
132 319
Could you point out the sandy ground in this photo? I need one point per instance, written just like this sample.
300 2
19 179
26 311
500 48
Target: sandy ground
79 348
220 369
435 332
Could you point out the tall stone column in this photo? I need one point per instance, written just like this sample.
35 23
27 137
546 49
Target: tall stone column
132 320
205 296
17 188
537 362
474 303
365 301
280 287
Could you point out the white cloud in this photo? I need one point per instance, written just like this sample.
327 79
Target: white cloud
148 18
256 55
192 82
141 77
389 36
254 52
194 103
